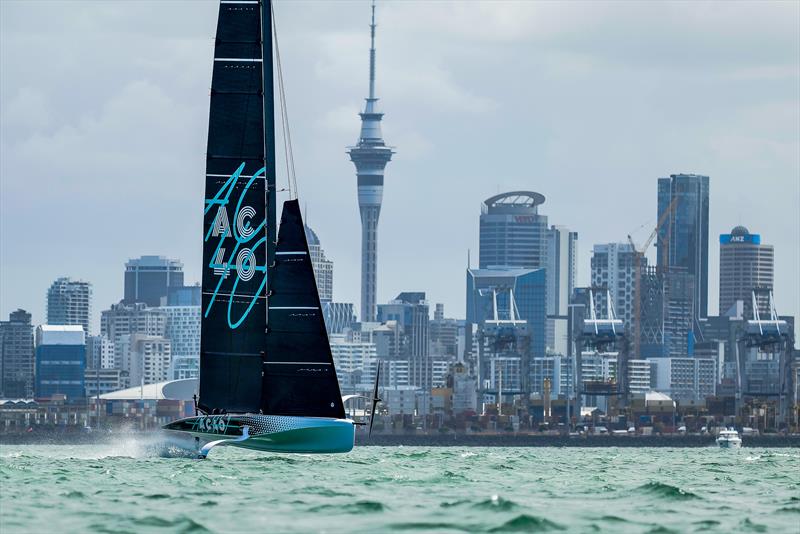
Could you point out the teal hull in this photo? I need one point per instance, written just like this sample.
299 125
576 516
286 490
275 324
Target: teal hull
270 433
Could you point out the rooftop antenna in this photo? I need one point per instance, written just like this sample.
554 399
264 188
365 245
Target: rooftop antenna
372 55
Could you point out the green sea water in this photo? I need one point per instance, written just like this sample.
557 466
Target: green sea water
137 486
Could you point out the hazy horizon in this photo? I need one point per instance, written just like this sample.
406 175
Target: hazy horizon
104 111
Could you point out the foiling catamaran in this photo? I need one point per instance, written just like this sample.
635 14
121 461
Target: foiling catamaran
267 377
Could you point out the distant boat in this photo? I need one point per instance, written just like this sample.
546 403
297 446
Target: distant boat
729 439
267 377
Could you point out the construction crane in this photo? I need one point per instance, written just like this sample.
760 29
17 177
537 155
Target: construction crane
637 281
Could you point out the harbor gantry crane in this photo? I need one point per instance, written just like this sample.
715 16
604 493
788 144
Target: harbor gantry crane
636 328
771 336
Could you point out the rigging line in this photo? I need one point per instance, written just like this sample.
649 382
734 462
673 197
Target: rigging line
287 136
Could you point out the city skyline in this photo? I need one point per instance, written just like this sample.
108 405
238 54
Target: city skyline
699 117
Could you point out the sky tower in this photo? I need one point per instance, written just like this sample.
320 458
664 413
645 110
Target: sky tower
370 157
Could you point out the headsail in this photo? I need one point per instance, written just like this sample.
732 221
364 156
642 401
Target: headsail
238 231
299 375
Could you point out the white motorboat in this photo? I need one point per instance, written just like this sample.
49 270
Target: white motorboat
729 439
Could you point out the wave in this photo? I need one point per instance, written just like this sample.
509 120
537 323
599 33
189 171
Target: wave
496 503
528 523
181 524
666 491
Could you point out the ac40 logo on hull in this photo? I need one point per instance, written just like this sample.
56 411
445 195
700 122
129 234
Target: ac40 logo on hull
244 232
211 424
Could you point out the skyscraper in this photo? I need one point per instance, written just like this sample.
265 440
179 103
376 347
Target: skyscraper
70 302
370 156
323 267
411 312
148 279
744 264
562 252
512 232
16 356
684 236
614 267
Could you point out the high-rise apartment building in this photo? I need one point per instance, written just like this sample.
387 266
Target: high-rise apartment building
100 352
411 312
562 266
684 236
356 363
614 267
745 264
70 302
512 232
370 156
323 267
182 328
149 359
121 321
60 361
16 356
148 279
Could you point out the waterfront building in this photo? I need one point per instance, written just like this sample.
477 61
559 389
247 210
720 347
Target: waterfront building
356 364
686 379
370 156
182 328
683 239
411 313
184 295
338 316
100 352
640 376
148 279
745 264
70 302
562 265
16 356
400 400
60 361
465 390
614 268
512 232
148 359
101 381
323 267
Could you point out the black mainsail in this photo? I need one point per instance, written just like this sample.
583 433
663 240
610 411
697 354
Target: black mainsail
246 367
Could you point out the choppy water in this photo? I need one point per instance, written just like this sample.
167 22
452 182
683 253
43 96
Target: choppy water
135 487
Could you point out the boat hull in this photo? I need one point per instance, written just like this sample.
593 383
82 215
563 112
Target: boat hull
271 433
729 443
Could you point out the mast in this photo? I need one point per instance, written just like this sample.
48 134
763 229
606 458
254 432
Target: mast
269 130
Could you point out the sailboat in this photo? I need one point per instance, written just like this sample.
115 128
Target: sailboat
267 376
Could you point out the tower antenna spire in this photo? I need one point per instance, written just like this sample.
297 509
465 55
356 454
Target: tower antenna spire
372 55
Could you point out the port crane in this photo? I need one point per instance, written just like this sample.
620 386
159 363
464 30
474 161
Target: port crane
601 334
770 335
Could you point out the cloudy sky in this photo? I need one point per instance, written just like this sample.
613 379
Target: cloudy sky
104 110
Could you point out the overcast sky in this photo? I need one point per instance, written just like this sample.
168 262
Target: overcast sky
104 111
